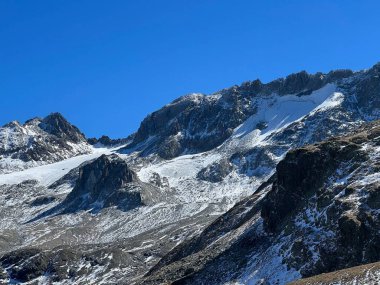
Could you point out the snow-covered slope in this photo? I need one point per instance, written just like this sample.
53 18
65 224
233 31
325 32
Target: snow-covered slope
194 159
49 173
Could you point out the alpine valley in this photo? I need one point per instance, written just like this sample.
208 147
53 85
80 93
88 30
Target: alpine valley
261 183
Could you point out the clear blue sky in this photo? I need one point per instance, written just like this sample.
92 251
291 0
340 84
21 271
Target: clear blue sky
106 64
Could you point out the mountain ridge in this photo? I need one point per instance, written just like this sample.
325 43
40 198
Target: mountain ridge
220 179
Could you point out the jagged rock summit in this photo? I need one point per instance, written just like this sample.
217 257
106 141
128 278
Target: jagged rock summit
39 141
196 123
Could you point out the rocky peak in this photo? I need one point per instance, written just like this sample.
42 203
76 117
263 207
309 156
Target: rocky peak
375 69
104 140
365 90
57 125
338 74
39 141
246 89
190 124
13 124
159 120
32 122
301 81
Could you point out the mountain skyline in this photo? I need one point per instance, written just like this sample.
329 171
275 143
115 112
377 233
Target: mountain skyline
123 136
181 142
106 66
209 189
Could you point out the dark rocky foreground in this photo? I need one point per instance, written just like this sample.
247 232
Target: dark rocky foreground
364 274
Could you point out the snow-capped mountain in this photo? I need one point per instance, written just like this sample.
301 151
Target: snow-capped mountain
159 206
39 141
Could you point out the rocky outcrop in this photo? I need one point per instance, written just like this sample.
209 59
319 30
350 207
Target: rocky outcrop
303 83
158 181
216 171
105 182
302 173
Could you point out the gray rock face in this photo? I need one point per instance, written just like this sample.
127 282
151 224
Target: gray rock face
367 89
158 181
303 83
191 124
197 123
104 182
336 179
302 172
